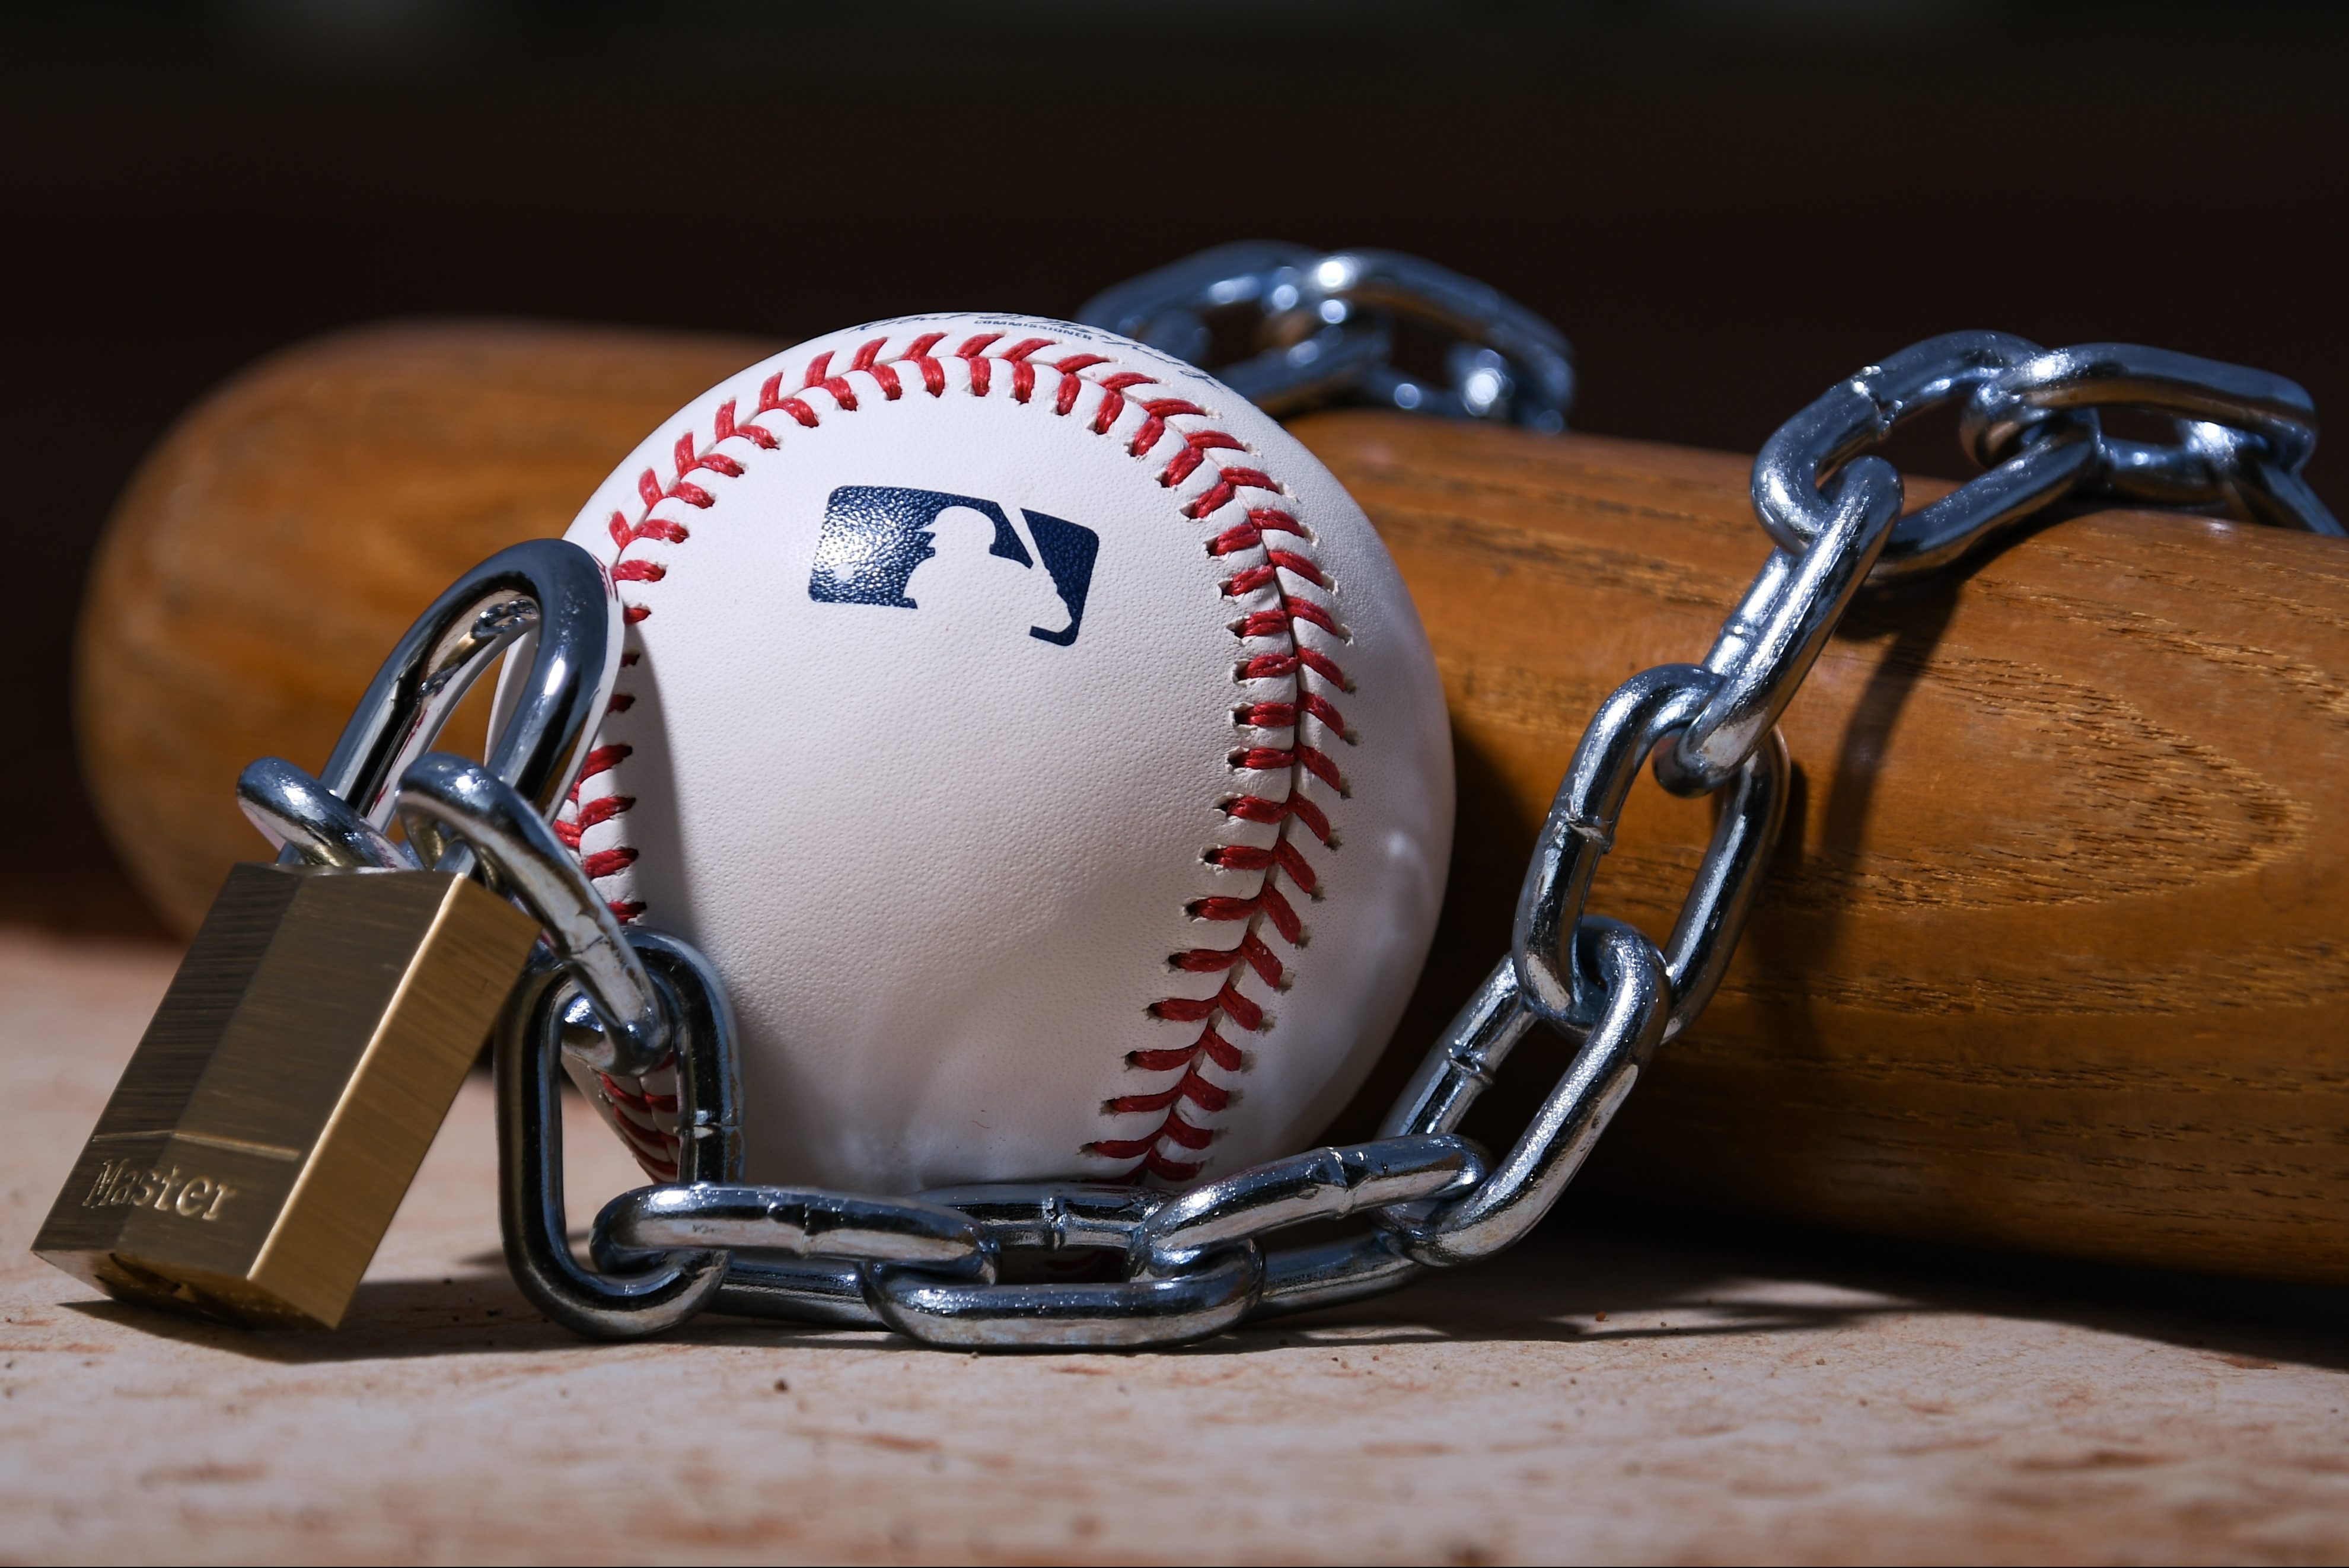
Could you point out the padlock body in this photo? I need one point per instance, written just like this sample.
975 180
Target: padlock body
260 1139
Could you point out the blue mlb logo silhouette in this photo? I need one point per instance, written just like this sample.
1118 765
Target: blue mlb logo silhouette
875 535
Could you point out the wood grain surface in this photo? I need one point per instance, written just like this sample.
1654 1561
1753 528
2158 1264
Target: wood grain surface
2052 954
1599 1395
283 535
2055 951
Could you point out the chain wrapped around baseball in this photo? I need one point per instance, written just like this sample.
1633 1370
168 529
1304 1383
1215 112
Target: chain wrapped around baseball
2050 955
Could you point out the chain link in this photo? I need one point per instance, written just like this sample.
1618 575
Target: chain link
1321 329
1198 1262
2030 417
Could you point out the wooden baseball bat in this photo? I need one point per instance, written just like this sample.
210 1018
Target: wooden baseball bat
2053 953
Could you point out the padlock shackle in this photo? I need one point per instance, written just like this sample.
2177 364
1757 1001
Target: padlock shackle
548 586
443 799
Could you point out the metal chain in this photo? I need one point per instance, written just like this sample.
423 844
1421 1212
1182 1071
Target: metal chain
2030 417
1198 1262
1319 328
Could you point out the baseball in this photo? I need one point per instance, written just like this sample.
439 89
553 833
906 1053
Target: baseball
1039 740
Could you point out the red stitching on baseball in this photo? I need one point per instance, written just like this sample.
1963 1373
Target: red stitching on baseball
598 810
1248 858
1114 389
1207 1096
1254 809
868 360
635 1100
726 428
981 370
603 759
933 375
607 862
1265 911
655 1149
1196 448
1070 382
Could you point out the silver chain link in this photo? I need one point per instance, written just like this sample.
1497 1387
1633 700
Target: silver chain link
2030 417
1195 1262
1316 328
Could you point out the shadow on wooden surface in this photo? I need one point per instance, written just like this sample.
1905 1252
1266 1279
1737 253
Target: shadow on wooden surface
1571 1283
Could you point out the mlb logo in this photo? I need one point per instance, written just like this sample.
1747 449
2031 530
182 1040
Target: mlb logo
875 538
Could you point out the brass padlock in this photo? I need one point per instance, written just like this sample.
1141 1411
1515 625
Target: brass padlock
260 1139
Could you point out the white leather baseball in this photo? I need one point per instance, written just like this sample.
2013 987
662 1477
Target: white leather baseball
1039 740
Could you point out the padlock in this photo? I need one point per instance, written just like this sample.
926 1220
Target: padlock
265 1131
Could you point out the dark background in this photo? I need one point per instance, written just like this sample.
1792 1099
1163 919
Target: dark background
1726 207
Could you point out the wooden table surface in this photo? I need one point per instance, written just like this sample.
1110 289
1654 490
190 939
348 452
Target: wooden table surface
1598 1395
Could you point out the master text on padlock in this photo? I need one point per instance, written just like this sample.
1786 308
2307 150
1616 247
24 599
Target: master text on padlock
123 1183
